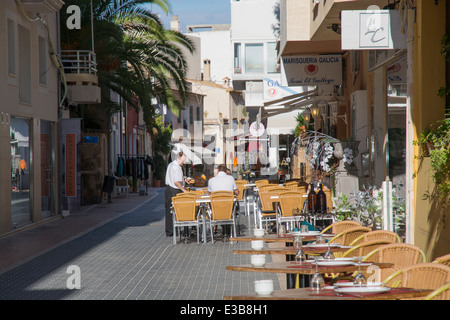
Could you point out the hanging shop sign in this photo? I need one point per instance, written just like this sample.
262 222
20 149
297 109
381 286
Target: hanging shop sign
273 90
311 70
371 30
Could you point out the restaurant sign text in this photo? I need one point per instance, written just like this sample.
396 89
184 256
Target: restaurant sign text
311 70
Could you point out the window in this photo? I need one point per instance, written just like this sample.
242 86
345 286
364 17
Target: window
237 58
11 47
254 58
191 115
179 116
24 65
42 61
198 114
272 60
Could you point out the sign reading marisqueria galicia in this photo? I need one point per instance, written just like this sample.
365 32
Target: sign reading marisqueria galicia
311 70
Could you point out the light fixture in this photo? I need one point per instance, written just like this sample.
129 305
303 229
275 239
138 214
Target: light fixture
306 117
335 27
314 111
334 114
323 109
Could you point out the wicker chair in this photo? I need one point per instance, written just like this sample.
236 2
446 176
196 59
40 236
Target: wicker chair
420 276
185 214
378 235
292 185
289 202
441 293
341 226
401 255
240 185
364 248
267 210
443 260
346 237
259 183
223 212
222 192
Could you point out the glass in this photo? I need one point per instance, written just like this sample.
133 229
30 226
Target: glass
300 256
359 278
20 171
320 239
329 254
304 228
317 281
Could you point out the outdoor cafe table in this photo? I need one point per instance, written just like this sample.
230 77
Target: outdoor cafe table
292 250
327 294
303 269
285 238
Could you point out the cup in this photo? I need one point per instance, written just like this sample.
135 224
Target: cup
258 260
304 228
259 233
263 287
257 244
320 239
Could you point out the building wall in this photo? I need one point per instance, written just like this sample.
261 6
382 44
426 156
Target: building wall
431 219
29 90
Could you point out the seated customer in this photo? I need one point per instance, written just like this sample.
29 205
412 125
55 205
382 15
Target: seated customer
223 182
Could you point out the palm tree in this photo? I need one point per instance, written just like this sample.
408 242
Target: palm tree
136 57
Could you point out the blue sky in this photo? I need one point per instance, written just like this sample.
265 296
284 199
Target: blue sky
197 12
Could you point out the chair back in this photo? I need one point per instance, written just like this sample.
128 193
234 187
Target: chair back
346 237
222 206
185 207
341 226
240 185
302 189
290 201
259 183
267 204
329 199
292 185
362 249
379 235
268 187
421 276
401 255
443 260
224 192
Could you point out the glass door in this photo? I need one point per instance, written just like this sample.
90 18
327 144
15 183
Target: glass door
20 171
46 185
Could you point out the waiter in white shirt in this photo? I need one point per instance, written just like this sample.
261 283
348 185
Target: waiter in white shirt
174 185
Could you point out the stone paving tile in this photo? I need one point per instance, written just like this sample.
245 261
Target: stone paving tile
129 258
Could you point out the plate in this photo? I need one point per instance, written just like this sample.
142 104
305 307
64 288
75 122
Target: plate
362 289
350 284
335 263
305 234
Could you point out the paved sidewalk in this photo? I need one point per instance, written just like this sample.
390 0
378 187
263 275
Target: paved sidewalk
119 251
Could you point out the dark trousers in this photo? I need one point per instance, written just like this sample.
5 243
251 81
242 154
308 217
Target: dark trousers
170 192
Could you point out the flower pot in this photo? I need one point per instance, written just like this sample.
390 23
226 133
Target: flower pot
157 183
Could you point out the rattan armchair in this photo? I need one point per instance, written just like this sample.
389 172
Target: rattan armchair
185 214
341 226
401 255
266 206
259 183
364 248
223 212
378 235
290 202
443 260
420 276
346 237
441 293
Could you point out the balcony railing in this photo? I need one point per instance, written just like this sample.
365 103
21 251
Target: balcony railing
79 61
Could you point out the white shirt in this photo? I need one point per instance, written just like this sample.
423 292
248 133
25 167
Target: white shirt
174 173
222 182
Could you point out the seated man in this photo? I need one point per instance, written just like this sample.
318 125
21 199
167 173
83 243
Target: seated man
223 182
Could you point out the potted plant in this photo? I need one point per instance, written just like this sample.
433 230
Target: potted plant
160 170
